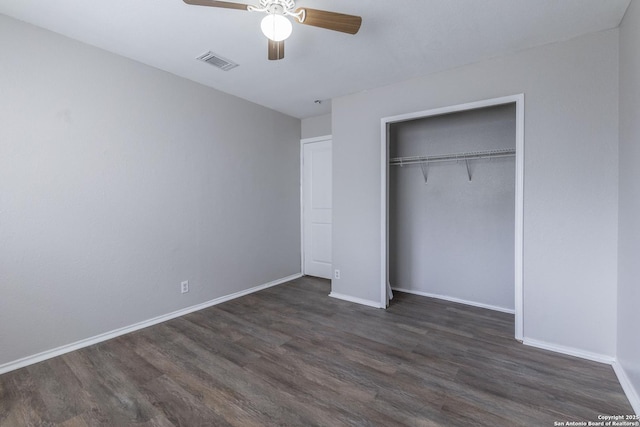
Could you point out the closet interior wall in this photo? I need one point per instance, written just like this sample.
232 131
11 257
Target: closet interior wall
451 237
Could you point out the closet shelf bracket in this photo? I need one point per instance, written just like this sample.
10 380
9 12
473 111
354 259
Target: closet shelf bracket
425 171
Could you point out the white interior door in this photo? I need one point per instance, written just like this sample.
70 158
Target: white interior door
317 207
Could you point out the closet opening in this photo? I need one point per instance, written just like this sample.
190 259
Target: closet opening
452 186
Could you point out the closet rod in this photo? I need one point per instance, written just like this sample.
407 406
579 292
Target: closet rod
472 155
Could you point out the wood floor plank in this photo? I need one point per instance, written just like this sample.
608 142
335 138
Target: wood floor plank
114 397
77 421
22 403
290 355
181 357
180 407
60 390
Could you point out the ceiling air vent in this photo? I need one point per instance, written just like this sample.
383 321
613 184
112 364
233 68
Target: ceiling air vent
217 61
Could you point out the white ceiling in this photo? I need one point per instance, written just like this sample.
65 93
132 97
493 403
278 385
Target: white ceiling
399 39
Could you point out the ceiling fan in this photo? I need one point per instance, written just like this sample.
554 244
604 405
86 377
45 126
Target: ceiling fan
276 26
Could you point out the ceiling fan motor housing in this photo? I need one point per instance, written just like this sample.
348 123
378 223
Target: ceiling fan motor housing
286 5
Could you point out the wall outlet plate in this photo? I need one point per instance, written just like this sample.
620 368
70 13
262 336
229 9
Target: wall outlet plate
184 287
336 274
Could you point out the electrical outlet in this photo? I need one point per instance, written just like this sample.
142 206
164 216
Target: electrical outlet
336 274
184 287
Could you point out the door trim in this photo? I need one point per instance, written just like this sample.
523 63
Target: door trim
302 143
519 196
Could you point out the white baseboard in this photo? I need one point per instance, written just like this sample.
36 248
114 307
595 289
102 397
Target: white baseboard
627 386
48 354
570 351
457 300
356 300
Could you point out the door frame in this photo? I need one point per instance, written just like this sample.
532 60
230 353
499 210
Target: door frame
302 143
518 99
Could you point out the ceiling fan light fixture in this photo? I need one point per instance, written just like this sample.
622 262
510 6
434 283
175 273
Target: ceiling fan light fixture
276 27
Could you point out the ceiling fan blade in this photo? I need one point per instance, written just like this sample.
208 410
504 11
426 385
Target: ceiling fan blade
214 3
331 20
276 50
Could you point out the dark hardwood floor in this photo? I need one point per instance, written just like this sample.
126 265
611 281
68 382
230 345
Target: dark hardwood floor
290 356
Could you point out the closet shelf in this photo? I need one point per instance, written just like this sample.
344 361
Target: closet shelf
472 155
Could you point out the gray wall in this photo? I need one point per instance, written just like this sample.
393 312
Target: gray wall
629 231
316 126
117 181
452 237
570 179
